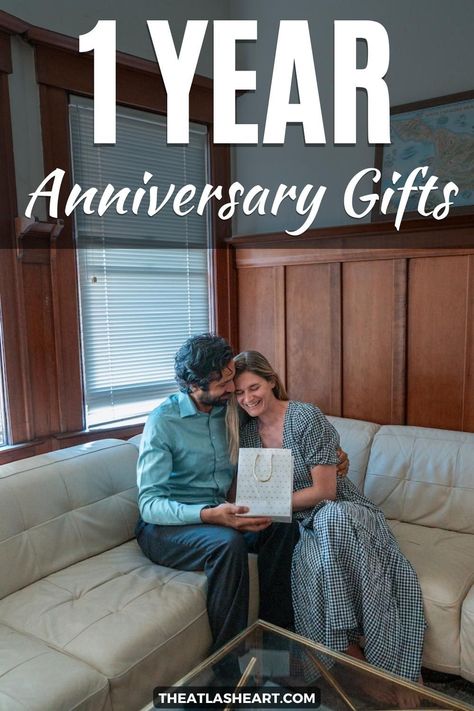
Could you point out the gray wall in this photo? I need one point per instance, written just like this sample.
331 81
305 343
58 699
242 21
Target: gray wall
432 54
73 18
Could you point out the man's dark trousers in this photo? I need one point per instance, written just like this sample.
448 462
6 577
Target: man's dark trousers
222 553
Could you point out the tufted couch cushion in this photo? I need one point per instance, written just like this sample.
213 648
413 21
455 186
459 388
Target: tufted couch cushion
84 503
136 623
356 439
26 663
444 563
423 479
112 622
424 476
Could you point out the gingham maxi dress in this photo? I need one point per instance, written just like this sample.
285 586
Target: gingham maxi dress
349 577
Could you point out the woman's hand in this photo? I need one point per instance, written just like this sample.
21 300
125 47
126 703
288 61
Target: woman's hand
343 466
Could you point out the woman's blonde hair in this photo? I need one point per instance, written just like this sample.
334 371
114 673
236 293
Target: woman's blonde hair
248 362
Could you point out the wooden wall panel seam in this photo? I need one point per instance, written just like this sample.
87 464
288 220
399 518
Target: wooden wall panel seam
280 321
399 331
335 276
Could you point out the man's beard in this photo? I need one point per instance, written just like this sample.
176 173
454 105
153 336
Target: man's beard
206 399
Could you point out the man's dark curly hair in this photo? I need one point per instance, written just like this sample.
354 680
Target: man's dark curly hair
201 360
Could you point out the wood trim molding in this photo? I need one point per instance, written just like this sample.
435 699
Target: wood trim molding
361 235
5 54
16 366
12 25
348 243
40 36
60 441
278 257
224 273
64 291
139 81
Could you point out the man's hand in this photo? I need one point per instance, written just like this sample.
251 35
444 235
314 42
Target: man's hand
343 466
226 515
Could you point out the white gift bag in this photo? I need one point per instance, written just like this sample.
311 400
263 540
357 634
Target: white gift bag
265 482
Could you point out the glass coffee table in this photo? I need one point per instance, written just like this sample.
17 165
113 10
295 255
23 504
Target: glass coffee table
268 664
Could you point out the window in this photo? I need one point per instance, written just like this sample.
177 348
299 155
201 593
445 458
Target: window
144 280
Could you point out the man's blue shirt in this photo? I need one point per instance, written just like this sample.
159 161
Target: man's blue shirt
183 463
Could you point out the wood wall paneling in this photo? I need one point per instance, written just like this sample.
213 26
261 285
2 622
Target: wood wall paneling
372 359
262 314
313 335
468 397
439 355
405 322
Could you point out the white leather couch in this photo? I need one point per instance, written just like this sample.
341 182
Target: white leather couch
87 622
423 479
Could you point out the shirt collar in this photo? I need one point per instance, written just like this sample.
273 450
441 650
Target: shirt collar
187 408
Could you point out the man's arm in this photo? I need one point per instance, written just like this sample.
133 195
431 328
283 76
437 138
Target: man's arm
155 464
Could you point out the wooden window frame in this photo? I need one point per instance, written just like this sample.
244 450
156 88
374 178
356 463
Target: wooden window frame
40 299
15 351
62 71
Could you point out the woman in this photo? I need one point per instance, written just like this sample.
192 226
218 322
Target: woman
349 577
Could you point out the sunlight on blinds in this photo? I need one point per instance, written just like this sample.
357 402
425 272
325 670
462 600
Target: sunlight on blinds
144 281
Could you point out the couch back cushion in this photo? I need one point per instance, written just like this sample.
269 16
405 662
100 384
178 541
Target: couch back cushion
425 476
62 507
356 439
135 440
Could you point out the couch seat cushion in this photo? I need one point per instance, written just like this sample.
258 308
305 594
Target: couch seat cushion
444 562
467 637
137 623
33 676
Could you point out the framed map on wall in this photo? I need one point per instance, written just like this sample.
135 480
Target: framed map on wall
437 133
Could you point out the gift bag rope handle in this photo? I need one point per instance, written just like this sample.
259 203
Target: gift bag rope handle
260 478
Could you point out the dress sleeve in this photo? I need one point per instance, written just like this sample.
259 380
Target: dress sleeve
319 439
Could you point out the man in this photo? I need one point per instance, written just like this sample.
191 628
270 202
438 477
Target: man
184 476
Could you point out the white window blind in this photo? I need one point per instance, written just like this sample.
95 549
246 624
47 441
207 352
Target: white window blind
144 281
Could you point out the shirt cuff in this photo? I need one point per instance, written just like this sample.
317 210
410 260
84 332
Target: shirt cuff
193 513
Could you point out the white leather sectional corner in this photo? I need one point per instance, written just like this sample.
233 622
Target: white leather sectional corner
423 479
87 622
